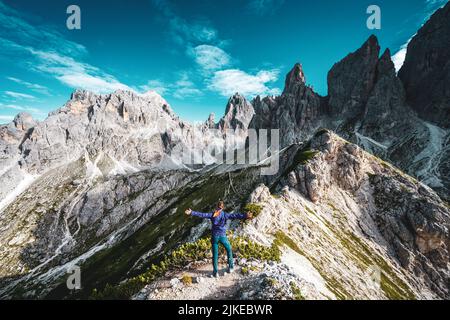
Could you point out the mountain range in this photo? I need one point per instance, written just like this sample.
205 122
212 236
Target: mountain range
363 182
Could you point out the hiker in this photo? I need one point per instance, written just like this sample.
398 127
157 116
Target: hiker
219 228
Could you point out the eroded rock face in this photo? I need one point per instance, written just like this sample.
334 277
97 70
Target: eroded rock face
118 124
345 166
351 80
238 114
426 70
386 114
416 222
13 133
296 113
367 105
411 217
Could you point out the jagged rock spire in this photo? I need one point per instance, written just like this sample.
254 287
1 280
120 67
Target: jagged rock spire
426 71
351 79
294 78
238 113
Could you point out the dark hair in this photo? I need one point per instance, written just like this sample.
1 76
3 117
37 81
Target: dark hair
220 204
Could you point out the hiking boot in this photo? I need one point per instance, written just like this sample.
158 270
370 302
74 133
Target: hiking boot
215 275
230 269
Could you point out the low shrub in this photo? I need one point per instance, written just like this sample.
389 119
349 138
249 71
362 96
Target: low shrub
179 258
253 208
186 280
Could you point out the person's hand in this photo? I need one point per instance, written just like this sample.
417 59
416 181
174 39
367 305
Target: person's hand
188 211
249 215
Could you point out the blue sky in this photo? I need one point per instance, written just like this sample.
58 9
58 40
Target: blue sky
194 53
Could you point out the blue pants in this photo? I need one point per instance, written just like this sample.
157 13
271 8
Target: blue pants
215 251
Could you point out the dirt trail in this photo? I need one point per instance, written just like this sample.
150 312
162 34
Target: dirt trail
203 286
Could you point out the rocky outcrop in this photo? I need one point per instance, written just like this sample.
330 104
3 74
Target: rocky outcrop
367 105
351 80
238 114
124 125
426 70
368 98
296 113
411 218
12 134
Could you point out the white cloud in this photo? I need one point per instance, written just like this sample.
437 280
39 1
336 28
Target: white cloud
187 92
20 108
183 32
228 82
33 86
210 57
6 118
182 88
185 88
92 83
45 50
76 74
19 95
155 85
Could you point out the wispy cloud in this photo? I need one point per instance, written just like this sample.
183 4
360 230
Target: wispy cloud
18 30
155 85
203 44
264 7
46 51
210 57
21 108
32 86
185 88
182 88
228 82
183 32
19 95
6 118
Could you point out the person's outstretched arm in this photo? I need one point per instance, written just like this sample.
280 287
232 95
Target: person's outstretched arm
198 214
237 215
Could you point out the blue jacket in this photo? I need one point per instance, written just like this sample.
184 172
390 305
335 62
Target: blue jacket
219 227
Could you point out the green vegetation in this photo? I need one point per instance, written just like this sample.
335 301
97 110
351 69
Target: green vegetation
272 282
253 208
393 287
310 211
115 264
282 239
180 257
304 156
186 280
296 291
321 131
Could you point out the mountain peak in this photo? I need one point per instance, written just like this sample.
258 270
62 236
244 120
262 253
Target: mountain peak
238 113
426 71
294 77
24 121
371 41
